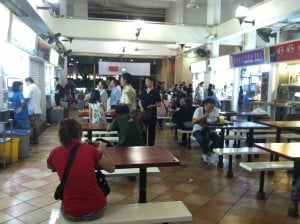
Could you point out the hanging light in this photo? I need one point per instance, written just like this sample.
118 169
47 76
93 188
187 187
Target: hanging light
241 13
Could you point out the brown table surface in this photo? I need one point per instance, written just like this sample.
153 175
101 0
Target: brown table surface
289 151
282 124
94 127
141 156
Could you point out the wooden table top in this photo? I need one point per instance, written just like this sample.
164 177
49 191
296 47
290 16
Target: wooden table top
287 150
236 125
282 124
94 127
244 113
141 156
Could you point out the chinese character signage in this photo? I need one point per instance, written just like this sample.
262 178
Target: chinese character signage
285 52
254 57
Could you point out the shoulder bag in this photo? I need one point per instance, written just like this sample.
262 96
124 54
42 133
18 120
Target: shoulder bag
101 179
58 194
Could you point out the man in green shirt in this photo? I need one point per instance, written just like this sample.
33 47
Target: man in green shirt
128 126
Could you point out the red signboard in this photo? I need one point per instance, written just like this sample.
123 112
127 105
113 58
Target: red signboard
113 68
285 52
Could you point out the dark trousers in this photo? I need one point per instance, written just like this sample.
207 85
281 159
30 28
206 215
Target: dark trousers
57 100
203 137
150 131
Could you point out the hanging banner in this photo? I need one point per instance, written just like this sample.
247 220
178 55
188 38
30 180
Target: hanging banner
285 52
255 57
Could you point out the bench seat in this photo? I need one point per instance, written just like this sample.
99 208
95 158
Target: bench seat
164 118
284 137
130 172
266 166
111 139
236 151
99 133
152 212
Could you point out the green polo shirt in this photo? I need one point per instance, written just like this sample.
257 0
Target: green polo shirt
129 129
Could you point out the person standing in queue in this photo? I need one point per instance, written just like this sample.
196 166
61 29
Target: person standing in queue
101 86
33 99
21 118
115 94
59 91
149 101
83 200
128 95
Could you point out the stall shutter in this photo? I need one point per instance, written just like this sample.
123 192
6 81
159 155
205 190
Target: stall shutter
37 72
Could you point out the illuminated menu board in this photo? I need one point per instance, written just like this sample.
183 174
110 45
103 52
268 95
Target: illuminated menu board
22 36
53 57
4 22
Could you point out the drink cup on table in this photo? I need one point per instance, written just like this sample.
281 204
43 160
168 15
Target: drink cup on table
222 119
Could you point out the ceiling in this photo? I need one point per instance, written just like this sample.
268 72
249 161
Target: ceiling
104 29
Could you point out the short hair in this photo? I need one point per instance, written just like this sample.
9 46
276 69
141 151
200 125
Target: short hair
68 129
16 85
122 109
128 77
29 79
209 100
201 83
114 80
95 96
103 83
56 78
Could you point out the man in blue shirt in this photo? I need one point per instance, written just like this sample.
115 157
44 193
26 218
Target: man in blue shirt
115 94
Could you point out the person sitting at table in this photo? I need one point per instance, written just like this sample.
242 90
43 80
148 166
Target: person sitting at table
183 117
129 127
83 200
206 114
96 110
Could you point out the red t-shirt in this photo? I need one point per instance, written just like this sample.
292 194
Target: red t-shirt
82 194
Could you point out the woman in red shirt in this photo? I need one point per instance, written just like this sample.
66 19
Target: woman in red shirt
83 199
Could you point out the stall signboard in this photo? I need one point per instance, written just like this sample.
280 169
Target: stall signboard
43 50
115 68
255 57
220 63
198 67
4 22
54 57
285 52
22 36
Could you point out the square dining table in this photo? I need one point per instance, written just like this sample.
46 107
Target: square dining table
281 125
141 157
288 151
89 127
234 125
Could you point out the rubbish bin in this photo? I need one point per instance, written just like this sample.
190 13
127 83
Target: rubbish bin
24 143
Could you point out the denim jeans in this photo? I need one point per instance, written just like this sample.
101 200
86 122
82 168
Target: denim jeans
204 136
22 124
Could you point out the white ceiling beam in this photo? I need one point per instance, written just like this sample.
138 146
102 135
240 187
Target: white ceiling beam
126 49
125 30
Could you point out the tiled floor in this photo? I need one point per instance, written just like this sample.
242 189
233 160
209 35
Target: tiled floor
27 188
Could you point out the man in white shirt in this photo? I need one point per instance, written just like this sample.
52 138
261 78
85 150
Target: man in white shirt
206 114
33 98
128 95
